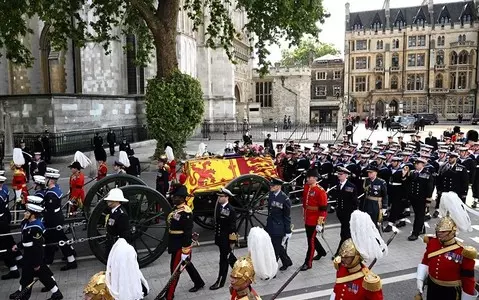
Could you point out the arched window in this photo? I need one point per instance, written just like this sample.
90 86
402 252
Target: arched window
462 81
453 58
440 41
471 57
366 106
395 60
379 82
353 105
439 81
463 57
452 81
394 82
440 58
459 39
379 61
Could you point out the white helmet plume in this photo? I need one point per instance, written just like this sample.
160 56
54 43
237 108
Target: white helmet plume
18 158
123 158
261 252
169 154
452 204
366 237
82 159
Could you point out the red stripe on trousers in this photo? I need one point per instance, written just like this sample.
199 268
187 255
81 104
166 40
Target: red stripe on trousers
312 246
171 289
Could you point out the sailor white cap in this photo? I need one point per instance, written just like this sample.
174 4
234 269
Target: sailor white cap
3 178
52 175
34 208
39 179
2 172
34 199
52 170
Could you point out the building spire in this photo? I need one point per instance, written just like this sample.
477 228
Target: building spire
387 13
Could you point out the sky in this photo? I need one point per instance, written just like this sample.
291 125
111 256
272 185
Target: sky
333 28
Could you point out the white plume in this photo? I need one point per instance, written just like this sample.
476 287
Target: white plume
201 149
452 204
93 166
123 158
18 158
262 254
82 159
169 154
366 237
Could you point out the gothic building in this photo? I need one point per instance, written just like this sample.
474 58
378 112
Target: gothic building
98 83
420 59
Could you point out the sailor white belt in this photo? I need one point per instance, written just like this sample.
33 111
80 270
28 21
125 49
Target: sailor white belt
363 178
395 183
374 198
176 231
29 244
57 210
1 215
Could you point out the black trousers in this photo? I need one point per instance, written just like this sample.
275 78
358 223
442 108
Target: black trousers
344 218
435 291
54 236
419 208
371 207
6 243
397 207
112 148
44 274
313 244
280 251
475 186
225 252
190 268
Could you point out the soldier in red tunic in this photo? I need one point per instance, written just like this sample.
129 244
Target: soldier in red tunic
102 167
77 181
315 205
19 180
354 280
171 162
448 265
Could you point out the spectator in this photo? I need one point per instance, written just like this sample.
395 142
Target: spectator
422 124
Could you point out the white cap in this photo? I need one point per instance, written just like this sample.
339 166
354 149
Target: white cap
3 178
39 179
2 172
34 207
34 199
115 195
52 175
52 170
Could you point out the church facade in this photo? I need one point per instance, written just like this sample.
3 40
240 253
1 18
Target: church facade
86 81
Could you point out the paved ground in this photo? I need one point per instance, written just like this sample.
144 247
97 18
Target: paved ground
397 269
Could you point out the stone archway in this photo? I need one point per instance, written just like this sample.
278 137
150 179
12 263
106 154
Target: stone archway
379 108
240 107
393 108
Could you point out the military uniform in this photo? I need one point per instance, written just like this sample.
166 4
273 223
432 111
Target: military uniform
357 283
19 184
375 198
396 194
475 183
117 226
162 183
7 241
470 164
134 169
102 171
38 168
77 194
453 178
278 224
346 202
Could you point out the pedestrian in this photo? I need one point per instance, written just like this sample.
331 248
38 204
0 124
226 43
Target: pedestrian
27 155
422 124
111 139
432 141
134 169
448 265
32 240
375 195
459 118
278 223
315 206
382 122
53 217
180 228
475 183
97 141
349 132
285 122
268 143
38 166
388 123
46 147
162 182
289 122
346 198
117 221
225 235
420 187
124 145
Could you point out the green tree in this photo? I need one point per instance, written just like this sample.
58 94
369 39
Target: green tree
154 22
307 50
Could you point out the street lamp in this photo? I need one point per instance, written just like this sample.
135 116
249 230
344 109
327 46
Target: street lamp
276 129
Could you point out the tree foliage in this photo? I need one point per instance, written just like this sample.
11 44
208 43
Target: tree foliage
307 50
174 107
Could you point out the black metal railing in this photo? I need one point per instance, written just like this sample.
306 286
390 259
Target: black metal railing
307 133
66 143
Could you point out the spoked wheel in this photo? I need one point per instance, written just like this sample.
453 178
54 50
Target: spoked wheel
206 222
204 209
148 211
250 201
101 188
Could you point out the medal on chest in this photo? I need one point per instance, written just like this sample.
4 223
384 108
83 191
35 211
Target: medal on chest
225 212
177 216
111 222
353 288
457 258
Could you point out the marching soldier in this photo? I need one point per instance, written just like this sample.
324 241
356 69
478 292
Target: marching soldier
180 226
117 221
278 224
52 218
475 183
38 166
162 177
40 186
346 198
375 195
396 195
420 188
315 205
469 162
6 241
134 169
453 177
448 265
225 235
19 180
353 278
33 265
171 162
102 167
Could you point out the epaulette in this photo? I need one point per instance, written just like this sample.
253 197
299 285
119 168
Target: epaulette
372 282
187 209
382 180
469 252
427 237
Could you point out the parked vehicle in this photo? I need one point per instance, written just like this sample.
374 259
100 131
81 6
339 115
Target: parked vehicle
431 119
403 123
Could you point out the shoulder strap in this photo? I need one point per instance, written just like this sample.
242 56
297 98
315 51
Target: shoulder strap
443 250
349 278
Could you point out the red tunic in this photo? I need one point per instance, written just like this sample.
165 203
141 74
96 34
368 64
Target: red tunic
102 171
76 188
19 183
357 286
315 205
454 265
172 170
234 295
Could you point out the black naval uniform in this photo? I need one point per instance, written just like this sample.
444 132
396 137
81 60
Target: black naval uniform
38 168
117 226
346 197
162 184
375 198
7 241
470 164
475 183
396 194
225 229
420 188
278 224
134 169
453 178
53 217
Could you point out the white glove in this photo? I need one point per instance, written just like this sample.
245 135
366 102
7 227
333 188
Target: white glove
285 239
333 296
420 285
384 210
319 228
184 257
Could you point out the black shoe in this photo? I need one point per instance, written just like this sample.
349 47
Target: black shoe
11 275
318 256
69 266
196 288
44 289
216 286
56 296
14 295
286 266
305 267
401 224
388 228
412 237
435 214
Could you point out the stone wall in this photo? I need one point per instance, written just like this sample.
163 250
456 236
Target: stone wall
60 113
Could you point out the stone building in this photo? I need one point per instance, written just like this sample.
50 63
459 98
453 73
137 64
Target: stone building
420 59
282 92
326 88
83 87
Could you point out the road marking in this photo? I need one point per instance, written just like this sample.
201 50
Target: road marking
475 239
322 293
476 227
